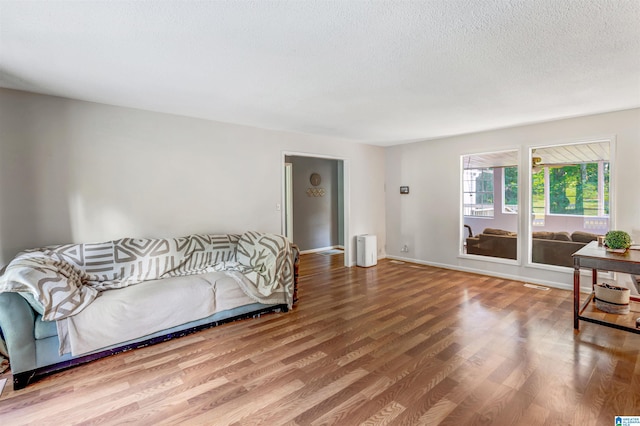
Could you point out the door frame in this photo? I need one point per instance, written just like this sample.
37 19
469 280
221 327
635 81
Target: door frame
346 173
287 229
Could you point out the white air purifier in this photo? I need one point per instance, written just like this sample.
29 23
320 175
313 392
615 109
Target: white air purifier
366 250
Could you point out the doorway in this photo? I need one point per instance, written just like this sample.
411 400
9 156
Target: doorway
315 197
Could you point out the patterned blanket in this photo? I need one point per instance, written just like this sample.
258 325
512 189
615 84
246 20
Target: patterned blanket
57 286
65 279
265 264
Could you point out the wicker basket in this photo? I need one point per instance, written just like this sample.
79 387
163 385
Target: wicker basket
612 299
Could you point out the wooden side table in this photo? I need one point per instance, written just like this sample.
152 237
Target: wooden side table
596 258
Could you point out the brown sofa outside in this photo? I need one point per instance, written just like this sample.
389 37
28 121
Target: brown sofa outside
503 246
550 248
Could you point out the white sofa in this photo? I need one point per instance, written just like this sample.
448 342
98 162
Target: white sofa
65 305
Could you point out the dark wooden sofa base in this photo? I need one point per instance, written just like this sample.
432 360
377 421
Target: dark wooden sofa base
21 380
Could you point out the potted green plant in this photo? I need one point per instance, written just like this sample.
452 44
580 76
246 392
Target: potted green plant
617 241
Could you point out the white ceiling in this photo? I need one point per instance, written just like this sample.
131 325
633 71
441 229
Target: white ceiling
379 72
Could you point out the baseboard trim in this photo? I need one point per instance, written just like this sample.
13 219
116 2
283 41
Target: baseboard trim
317 250
554 284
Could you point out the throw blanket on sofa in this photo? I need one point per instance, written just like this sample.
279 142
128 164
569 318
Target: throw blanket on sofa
55 287
264 266
63 280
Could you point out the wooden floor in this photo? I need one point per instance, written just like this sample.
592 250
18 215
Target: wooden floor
392 344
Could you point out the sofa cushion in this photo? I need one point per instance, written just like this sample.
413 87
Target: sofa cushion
542 235
583 237
44 329
547 235
132 312
493 231
561 236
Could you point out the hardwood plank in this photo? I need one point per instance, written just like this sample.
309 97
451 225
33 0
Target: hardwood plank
397 343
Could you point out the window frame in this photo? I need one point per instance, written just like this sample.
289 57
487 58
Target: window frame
537 221
498 159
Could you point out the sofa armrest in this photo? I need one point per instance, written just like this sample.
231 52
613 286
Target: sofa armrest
472 244
17 322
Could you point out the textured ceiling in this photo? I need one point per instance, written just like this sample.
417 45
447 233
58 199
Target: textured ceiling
380 72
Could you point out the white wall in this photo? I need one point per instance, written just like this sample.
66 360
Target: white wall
73 171
428 219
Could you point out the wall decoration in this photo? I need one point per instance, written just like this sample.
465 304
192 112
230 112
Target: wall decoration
315 179
404 189
316 192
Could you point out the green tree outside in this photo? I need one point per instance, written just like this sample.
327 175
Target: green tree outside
573 190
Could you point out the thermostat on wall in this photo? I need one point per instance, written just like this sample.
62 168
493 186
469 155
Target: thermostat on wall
404 189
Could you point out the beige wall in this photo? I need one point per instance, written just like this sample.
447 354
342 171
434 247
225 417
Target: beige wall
428 219
73 171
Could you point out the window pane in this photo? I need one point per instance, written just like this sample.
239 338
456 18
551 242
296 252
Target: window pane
478 192
510 190
537 192
573 190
